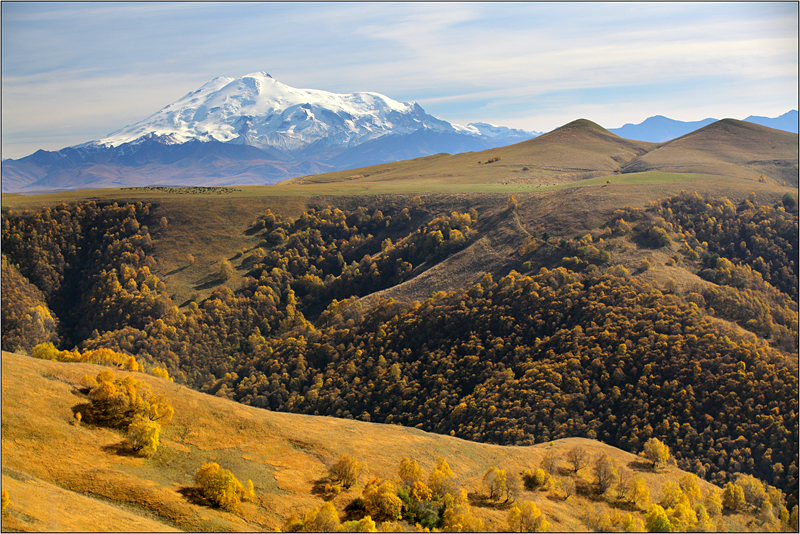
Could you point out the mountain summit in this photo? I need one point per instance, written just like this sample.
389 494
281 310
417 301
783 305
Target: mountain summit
253 130
260 111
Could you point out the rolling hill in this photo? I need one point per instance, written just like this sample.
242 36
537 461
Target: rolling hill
96 485
729 148
583 150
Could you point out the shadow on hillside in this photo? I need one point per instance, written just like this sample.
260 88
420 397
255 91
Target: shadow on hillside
194 496
208 282
123 448
626 506
641 465
483 501
179 269
355 510
324 489
587 490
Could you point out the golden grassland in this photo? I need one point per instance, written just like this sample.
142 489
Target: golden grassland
62 475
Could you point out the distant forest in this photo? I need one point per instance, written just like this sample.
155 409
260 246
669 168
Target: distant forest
582 348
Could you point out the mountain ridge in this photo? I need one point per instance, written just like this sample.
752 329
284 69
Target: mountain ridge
659 129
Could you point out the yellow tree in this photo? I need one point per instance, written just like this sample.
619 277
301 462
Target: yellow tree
495 481
656 452
421 492
441 478
656 520
143 435
733 497
381 500
682 518
691 488
673 495
346 470
639 493
527 518
410 472
219 485
458 517
713 502
322 519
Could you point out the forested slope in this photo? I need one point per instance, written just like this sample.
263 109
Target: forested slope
574 346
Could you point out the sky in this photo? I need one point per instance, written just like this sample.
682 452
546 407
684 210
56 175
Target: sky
73 72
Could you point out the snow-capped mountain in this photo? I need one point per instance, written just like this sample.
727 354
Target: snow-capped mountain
296 131
259 111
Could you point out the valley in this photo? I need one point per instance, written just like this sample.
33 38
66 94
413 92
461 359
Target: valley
575 289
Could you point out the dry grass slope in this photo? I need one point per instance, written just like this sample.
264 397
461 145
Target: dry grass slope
728 148
67 476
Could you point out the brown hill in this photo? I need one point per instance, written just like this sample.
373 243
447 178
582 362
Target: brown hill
575 151
727 148
62 475
583 150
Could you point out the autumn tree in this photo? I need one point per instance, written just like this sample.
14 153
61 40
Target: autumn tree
495 482
220 486
713 502
605 473
420 491
5 500
410 472
656 520
143 435
458 516
322 519
656 451
673 495
527 517
346 471
441 478
225 271
682 518
513 485
639 494
567 486
381 500
365 524
690 485
550 461
513 204
578 458
733 497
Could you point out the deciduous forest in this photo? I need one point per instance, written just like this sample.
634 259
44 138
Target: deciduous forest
576 346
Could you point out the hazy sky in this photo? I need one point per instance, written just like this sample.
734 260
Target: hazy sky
75 72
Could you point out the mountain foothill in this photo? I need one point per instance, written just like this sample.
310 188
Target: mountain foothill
577 331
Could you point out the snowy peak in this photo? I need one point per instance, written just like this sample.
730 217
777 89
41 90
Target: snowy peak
260 111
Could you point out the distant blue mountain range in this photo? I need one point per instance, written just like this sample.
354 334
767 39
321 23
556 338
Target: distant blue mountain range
659 129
